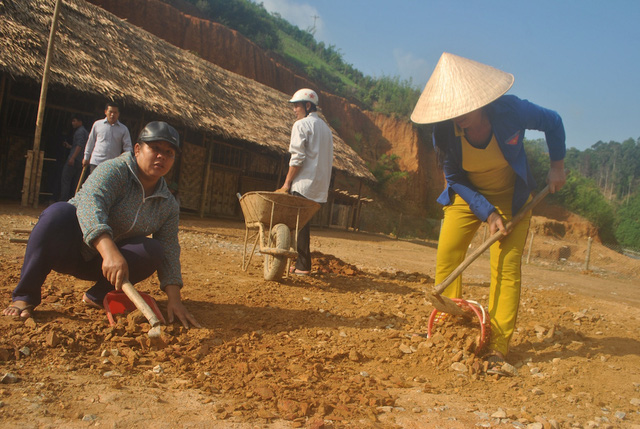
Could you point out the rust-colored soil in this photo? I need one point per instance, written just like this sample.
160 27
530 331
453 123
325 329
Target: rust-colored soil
344 347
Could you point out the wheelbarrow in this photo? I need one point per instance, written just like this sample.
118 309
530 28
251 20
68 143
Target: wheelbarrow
271 219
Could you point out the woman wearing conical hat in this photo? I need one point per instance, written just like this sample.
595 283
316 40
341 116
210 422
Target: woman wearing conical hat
478 134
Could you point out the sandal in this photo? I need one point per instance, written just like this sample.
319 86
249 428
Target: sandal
91 303
297 272
18 312
497 365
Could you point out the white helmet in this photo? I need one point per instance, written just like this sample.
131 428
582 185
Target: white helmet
305 94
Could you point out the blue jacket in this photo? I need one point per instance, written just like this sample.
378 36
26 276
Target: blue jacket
509 117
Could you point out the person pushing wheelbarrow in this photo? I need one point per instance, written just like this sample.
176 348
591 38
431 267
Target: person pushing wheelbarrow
102 233
309 173
478 137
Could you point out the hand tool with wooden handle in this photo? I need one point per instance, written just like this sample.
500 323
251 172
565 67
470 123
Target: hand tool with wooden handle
142 305
82 174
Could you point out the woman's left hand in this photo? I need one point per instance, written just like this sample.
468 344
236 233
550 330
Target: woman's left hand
556 177
175 308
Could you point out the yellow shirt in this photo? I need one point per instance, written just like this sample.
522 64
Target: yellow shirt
486 168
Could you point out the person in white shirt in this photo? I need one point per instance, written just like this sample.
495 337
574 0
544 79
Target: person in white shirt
108 138
309 174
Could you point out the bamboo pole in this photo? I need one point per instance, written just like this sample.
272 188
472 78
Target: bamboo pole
36 167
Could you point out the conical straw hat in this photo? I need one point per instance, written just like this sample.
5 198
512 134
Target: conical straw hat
458 86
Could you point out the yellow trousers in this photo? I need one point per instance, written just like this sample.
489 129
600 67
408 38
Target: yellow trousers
458 228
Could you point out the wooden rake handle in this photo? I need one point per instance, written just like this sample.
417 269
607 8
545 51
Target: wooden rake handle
495 237
82 174
140 303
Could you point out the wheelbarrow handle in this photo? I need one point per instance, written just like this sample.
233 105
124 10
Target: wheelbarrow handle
140 303
495 237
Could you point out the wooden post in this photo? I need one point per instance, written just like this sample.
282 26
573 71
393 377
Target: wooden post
328 220
26 183
588 257
3 87
280 171
530 244
207 175
349 218
32 187
356 226
6 89
331 198
36 188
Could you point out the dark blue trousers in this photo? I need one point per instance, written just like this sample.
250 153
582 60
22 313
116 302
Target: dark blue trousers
303 261
55 244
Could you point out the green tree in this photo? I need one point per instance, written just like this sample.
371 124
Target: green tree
628 224
386 171
628 228
538 158
582 196
615 167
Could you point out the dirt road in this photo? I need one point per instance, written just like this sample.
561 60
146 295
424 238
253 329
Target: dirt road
341 348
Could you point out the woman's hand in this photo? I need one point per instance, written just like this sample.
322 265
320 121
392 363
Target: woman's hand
175 307
496 223
556 177
114 265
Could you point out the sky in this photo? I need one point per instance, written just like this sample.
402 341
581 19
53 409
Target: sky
580 58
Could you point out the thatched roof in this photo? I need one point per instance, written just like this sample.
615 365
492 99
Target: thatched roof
100 54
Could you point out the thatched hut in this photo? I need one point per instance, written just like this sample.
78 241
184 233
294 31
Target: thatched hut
235 130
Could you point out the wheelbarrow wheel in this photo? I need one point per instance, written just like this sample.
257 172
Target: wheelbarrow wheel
274 266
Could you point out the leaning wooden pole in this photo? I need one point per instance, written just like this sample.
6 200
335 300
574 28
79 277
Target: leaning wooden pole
31 182
207 176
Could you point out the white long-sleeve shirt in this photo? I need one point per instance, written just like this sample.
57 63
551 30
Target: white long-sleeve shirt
107 141
311 148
